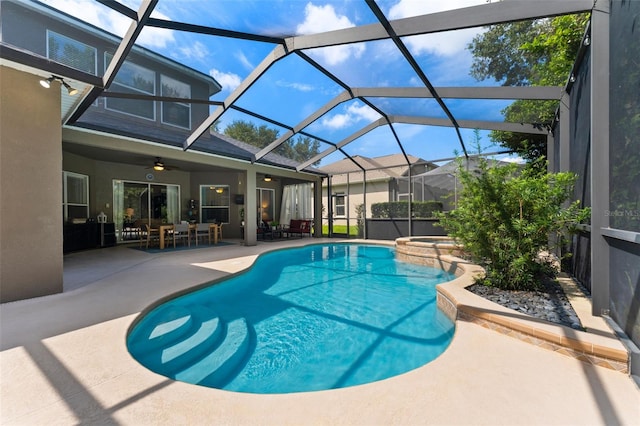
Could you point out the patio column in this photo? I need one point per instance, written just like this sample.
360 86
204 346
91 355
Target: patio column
31 193
551 155
564 161
250 211
317 208
600 156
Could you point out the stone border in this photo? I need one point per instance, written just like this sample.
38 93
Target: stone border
460 304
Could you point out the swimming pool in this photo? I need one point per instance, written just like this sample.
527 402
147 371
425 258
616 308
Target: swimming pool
317 317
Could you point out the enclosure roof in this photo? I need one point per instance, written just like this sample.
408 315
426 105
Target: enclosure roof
373 79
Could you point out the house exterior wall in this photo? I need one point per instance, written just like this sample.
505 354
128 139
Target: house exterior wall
30 188
377 192
27 29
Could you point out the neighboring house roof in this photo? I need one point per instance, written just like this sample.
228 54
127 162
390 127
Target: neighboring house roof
378 168
444 177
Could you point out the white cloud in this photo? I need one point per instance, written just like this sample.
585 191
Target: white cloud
511 159
363 112
196 51
297 86
338 121
229 81
446 43
355 113
112 21
324 18
244 60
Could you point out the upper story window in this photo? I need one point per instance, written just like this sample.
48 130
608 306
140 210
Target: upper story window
132 78
175 113
71 52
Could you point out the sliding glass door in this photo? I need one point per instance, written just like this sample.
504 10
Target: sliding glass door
266 203
137 203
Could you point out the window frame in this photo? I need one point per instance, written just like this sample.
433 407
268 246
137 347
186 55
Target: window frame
186 105
65 193
126 86
226 207
342 205
95 51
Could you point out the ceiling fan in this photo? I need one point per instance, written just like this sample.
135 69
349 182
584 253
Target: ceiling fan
159 166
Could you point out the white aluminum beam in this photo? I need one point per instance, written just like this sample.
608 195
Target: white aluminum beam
426 121
135 28
499 92
275 55
599 158
342 97
120 55
470 124
468 17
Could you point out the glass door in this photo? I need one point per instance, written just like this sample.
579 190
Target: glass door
266 201
137 203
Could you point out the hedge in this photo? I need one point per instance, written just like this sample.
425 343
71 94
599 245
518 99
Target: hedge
400 209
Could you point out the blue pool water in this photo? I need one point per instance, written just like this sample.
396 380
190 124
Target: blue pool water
311 318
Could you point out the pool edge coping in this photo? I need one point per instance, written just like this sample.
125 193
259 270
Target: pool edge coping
460 304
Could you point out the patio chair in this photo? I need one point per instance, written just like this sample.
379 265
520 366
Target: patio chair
152 234
181 232
202 231
264 230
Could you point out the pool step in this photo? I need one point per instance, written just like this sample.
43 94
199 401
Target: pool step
214 368
203 336
161 327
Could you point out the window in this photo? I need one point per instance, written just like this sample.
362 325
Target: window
175 113
214 204
132 78
75 195
71 52
339 208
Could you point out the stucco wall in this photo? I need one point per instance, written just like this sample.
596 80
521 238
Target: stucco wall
30 187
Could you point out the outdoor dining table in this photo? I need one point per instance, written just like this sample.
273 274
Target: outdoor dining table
213 228
163 229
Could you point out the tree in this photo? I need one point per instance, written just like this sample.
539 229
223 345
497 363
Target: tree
250 133
538 53
300 149
504 219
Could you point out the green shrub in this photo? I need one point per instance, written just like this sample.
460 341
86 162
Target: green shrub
505 219
400 209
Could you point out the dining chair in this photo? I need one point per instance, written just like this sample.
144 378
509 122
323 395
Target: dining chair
202 231
181 232
152 234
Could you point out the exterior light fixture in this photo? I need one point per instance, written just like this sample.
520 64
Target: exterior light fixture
572 78
219 190
587 41
267 178
46 83
71 90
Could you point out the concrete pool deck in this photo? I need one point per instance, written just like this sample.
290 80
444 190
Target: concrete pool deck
64 361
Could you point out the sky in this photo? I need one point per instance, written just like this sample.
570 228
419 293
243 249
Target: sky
292 89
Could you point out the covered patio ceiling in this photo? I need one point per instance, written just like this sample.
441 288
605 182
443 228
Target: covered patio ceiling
361 78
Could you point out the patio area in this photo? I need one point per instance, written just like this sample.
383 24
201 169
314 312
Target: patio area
64 361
